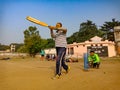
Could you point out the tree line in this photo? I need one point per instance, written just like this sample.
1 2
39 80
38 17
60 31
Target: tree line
89 29
33 42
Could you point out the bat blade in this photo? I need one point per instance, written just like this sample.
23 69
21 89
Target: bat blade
36 21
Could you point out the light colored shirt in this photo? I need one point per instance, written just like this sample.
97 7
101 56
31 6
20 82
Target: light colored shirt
60 38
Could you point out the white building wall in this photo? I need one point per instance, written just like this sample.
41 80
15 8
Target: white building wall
80 48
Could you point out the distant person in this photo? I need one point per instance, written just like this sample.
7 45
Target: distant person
94 58
48 57
42 53
60 44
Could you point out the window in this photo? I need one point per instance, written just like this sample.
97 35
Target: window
71 51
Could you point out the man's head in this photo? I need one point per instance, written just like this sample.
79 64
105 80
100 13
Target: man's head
92 53
58 25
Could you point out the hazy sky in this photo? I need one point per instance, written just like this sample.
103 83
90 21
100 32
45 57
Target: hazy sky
70 12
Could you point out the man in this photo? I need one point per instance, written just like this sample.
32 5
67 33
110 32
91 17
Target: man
93 57
42 53
60 44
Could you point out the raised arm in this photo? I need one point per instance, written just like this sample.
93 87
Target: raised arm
51 31
62 29
59 28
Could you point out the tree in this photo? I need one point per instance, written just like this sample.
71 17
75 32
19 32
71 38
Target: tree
50 43
22 49
33 41
4 47
108 29
87 30
72 38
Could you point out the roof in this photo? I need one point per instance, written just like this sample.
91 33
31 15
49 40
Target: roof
96 39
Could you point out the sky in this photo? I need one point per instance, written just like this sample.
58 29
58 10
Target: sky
71 13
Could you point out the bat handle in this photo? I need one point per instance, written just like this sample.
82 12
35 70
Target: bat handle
51 27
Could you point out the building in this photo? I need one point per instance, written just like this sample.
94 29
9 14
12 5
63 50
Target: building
50 51
103 48
117 39
12 47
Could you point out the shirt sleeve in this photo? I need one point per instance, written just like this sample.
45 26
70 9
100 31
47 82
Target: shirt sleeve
89 58
97 58
61 28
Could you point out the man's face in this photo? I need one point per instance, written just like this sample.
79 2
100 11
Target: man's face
58 25
92 53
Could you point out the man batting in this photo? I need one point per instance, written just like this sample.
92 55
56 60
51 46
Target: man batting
60 44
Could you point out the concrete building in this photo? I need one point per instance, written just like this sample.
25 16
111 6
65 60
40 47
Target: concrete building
103 48
12 47
50 51
117 39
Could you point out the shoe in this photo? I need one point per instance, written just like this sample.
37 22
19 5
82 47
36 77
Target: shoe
68 69
56 77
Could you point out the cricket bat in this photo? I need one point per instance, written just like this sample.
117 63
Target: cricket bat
36 21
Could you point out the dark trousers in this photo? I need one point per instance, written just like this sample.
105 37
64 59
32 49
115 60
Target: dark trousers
60 60
96 65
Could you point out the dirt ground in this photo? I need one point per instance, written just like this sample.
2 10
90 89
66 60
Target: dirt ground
33 74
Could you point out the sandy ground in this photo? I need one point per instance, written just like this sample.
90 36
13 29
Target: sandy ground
33 74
